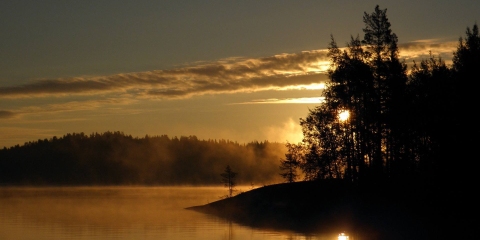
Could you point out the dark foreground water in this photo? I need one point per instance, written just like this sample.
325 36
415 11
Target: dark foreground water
123 213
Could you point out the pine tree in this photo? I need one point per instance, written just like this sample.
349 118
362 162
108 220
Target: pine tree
229 180
289 165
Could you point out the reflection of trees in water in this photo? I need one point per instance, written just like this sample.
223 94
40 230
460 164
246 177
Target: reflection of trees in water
230 230
229 234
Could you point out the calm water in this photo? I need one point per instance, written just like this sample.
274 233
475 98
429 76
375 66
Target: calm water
122 213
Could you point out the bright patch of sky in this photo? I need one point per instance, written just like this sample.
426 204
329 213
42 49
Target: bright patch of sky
219 69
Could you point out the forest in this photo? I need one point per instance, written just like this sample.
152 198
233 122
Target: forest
383 123
114 158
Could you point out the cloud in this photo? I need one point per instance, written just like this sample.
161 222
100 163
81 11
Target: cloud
5 114
69 107
305 100
78 105
421 49
279 72
225 76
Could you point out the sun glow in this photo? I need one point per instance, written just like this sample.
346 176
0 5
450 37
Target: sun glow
343 115
342 236
313 86
302 100
305 100
290 131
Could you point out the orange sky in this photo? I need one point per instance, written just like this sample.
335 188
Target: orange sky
253 83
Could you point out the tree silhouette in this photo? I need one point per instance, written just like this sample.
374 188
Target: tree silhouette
401 129
289 165
397 125
229 180
390 78
113 158
431 110
466 62
368 81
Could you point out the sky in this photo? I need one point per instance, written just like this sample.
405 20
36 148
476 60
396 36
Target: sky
236 70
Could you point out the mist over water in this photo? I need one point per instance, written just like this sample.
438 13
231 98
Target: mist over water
121 213
113 158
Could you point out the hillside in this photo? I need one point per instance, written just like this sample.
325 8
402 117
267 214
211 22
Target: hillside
114 158
332 206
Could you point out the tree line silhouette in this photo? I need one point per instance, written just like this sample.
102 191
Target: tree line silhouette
114 158
404 127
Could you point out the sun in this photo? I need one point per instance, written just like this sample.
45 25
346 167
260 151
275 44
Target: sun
342 236
343 115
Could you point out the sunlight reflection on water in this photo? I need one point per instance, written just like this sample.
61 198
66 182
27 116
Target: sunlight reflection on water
121 213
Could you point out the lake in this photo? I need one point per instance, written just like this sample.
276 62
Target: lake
123 213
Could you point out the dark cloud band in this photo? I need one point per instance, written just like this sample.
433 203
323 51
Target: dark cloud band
4 114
